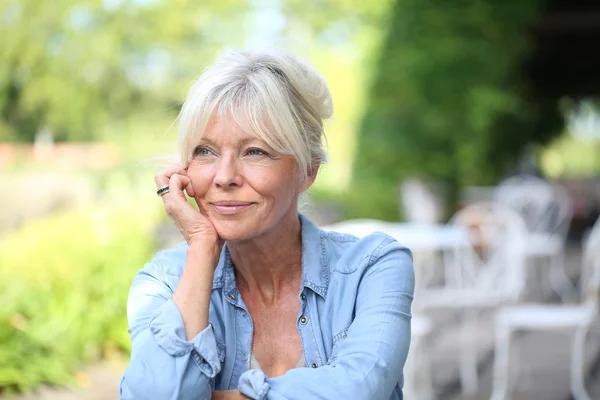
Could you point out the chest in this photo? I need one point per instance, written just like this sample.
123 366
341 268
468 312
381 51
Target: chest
308 324
276 342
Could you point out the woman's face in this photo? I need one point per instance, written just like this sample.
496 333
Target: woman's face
242 184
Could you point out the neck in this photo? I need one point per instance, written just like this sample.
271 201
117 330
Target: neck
271 264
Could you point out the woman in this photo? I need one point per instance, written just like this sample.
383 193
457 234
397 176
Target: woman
258 302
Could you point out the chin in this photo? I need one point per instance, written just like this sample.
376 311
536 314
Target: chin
235 230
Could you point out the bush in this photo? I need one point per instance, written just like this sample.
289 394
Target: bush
63 289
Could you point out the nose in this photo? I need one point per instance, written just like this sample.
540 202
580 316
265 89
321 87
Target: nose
227 174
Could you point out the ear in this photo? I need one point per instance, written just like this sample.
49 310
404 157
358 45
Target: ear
310 178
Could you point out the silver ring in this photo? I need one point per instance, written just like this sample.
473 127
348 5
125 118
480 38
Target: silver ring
162 191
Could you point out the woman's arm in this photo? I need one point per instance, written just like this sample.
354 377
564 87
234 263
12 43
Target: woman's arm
370 360
228 395
192 296
174 352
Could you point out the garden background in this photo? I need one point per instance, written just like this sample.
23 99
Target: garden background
453 92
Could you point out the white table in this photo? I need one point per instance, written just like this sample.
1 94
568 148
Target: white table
417 237
427 241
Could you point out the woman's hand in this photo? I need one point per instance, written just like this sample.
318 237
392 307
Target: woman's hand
193 224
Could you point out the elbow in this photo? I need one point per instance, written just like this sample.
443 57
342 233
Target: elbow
139 387
142 383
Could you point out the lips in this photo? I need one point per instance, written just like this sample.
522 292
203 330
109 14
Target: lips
230 206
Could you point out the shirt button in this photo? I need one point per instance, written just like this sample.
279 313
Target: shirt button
244 357
231 297
302 296
243 313
303 320
314 365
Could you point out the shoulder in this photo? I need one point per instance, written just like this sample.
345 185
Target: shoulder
170 261
348 254
362 267
167 266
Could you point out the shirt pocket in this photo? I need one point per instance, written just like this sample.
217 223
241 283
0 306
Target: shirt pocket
337 340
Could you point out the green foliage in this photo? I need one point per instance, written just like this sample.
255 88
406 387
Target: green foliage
63 291
70 66
448 101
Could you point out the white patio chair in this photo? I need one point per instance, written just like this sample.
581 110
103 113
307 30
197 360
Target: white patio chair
547 210
419 203
546 317
418 383
489 270
487 273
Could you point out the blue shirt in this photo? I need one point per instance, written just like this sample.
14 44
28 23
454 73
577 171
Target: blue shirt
354 323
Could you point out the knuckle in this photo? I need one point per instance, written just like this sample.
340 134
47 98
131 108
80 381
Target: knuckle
170 211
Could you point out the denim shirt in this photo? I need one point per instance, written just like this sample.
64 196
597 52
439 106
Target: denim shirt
354 323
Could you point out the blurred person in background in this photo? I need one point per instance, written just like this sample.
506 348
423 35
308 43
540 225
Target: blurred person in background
258 302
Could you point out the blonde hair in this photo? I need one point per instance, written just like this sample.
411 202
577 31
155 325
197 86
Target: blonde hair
268 93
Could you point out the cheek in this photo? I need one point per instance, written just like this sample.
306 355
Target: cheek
280 191
201 180
269 184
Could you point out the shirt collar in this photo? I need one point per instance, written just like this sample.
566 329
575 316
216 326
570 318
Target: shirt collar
315 268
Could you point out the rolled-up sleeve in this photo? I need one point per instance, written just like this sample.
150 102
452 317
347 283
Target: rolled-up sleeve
370 360
164 365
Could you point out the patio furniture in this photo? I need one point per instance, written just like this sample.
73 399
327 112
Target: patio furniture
485 274
415 236
419 202
544 317
418 383
547 211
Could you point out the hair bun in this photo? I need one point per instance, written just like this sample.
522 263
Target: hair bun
313 88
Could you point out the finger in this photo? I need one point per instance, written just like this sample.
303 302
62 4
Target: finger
177 183
162 178
189 188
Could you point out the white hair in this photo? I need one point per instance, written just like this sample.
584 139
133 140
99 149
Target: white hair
268 93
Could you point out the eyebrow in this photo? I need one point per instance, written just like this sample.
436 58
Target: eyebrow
213 143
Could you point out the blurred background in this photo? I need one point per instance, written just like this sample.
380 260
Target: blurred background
440 105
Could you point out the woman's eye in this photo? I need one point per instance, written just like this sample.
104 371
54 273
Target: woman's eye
253 151
201 151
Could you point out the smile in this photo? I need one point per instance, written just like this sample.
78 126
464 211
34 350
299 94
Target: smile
230 207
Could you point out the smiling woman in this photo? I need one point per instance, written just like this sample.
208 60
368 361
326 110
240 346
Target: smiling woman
257 293
234 172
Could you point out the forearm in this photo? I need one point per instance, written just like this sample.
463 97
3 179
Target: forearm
192 296
163 364
228 395
153 373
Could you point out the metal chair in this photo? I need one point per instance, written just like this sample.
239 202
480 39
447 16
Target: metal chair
418 383
486 274
547 211
577 318
419 203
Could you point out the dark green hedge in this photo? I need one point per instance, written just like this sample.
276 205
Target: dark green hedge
449 100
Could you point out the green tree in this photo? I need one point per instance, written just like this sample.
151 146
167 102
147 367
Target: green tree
70 65
448 101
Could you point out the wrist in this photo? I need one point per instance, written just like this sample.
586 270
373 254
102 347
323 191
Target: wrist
204 249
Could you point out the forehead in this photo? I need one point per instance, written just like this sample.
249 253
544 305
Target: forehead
231 127
226 133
